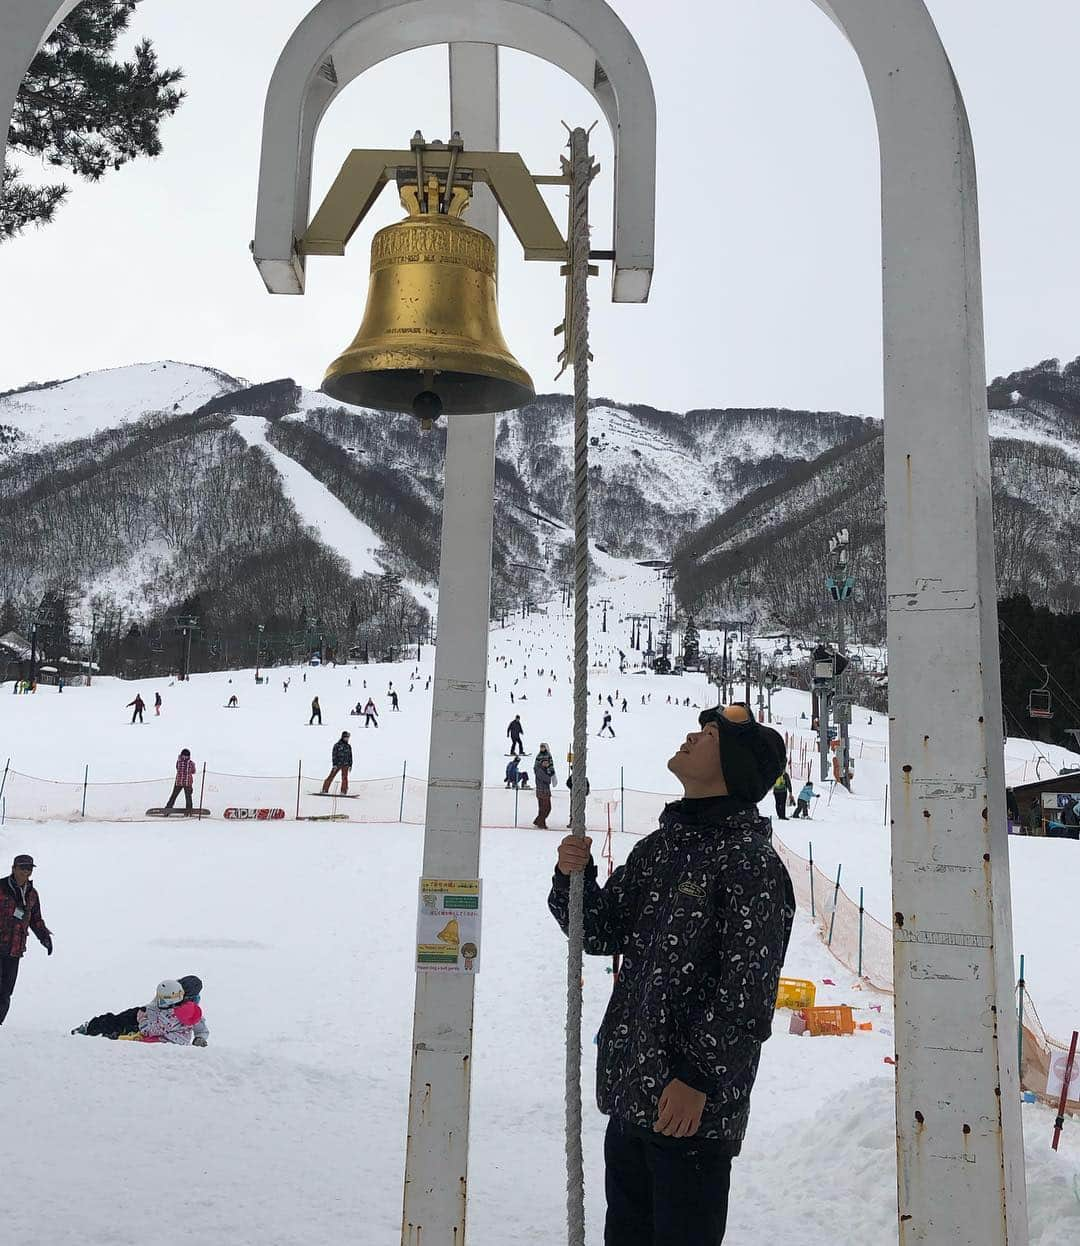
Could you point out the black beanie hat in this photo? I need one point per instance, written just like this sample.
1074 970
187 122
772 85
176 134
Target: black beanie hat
192 986
753 756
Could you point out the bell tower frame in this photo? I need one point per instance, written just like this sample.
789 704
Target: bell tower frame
959 1140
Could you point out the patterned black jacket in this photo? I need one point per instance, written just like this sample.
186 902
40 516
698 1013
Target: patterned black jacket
701 913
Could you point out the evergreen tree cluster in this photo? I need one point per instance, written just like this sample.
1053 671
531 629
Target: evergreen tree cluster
81 109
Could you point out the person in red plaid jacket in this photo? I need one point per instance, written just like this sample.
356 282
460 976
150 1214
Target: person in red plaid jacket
185 777
20 911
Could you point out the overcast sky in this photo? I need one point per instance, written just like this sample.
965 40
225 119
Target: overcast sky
767 285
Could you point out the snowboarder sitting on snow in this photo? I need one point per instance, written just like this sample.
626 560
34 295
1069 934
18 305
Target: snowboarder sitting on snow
513 774
701 914
136 1022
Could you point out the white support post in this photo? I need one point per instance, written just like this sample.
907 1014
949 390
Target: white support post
959 1136
437 1150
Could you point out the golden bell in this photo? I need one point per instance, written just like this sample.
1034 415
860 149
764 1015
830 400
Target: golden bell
430 341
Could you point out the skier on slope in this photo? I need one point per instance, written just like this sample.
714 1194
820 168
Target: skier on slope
393 700
782 795
371 714
157 704
139 705
607 725
514 731
316 711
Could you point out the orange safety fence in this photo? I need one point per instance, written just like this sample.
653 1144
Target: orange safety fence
400 798
856 939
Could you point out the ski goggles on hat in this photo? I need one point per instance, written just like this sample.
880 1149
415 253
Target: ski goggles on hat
727 725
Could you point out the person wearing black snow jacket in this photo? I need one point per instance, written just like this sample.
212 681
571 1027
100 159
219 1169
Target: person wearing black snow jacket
340 762
514 731
701 914
782 795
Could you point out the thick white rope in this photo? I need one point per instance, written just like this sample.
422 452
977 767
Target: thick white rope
582 171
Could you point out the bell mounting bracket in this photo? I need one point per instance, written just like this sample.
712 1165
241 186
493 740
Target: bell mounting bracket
366 171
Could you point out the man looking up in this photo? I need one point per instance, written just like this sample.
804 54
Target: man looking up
701 914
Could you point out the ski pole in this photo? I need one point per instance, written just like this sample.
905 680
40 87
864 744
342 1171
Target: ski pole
835 899
812 914
86 775
202 789
1059 1122
860 929
1020 1028
3 781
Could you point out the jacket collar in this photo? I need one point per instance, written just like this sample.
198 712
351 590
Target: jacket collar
709 810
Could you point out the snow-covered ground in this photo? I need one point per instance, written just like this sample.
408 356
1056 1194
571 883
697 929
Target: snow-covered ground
291 1124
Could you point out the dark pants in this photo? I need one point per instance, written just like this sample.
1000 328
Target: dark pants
9 971
516 747
607 727
315 714
781 805
543 808
370 720
138 715
802 810
664 1191
113 1024
176 792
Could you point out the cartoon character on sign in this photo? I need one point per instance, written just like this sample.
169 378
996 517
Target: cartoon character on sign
468 954
430 901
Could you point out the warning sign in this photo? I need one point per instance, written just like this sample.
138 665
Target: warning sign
448 926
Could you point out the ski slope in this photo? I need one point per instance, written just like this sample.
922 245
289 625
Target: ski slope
291 1125
334 524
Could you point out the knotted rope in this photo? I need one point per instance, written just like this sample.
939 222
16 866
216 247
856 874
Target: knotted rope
581 170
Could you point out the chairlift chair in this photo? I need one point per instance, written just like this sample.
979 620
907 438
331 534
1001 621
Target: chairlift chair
1039 702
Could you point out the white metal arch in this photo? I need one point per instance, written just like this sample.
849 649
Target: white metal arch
24 27
340 39
959 1134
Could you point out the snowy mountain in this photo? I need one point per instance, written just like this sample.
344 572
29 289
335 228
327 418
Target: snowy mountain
168 487
767 555
58 411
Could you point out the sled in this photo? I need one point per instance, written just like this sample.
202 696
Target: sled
255 815
178 813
